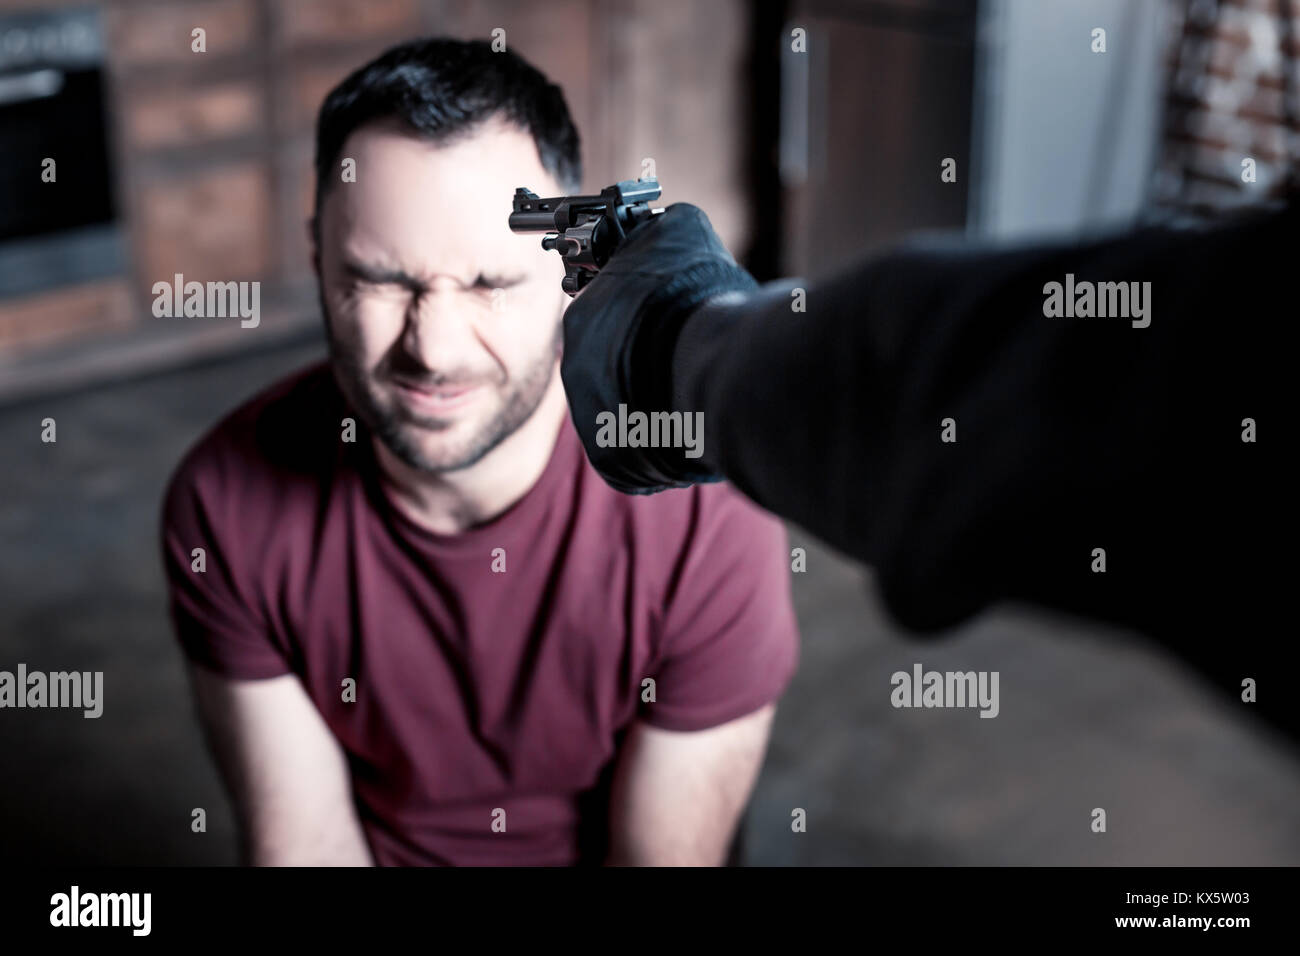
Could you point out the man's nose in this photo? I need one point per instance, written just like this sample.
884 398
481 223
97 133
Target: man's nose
438 328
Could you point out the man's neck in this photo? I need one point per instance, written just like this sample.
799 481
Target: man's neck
455 501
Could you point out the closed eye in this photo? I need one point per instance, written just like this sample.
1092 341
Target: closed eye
368 276
496 282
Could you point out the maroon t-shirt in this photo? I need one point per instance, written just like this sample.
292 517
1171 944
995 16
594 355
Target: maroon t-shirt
476 689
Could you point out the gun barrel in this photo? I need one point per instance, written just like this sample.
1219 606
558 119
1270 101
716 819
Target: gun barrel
534 222
585 230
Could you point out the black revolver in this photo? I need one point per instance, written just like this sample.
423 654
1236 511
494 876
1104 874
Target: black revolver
585 230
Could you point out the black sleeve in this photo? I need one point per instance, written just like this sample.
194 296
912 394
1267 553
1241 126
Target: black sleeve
1072 434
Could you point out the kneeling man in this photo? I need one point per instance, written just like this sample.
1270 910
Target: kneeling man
421 629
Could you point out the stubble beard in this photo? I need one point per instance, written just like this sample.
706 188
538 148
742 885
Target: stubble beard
400 430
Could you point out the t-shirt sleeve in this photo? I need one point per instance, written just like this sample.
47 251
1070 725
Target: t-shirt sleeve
214 613
730 642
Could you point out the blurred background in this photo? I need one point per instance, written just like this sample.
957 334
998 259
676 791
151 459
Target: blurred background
171 161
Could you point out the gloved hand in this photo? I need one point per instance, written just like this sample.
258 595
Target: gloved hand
619 335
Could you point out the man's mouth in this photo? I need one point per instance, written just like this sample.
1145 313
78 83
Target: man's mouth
435 399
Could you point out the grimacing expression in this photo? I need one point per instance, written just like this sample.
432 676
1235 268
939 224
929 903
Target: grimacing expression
444 326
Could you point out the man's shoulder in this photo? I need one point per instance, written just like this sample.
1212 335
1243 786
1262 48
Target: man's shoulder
288 430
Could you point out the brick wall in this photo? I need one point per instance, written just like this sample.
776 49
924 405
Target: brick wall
1231 66
213 151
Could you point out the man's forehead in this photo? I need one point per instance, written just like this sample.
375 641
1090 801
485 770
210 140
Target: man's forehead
413 198
491 153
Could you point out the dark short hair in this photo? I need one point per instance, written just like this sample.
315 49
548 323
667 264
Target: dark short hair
441 89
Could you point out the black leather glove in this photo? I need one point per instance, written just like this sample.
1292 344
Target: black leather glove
619 335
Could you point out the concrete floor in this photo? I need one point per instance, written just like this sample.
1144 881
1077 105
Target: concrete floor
1089 718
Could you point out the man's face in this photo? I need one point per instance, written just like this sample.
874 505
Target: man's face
444 326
